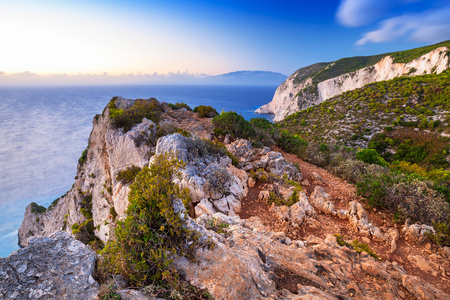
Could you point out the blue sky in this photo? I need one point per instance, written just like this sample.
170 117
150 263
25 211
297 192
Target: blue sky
208 37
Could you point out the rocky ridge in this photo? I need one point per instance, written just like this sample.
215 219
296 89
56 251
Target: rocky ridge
300 91
250 260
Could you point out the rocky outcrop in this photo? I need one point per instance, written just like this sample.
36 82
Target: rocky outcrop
54 267
300 91
251 159
215 184
257 264
109 151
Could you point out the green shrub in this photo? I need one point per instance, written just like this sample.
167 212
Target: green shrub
179 105
167 128
153 230
265 132
126 119
371 156
292 143
205 111
442 235
234 124
37 209
128 175
83 158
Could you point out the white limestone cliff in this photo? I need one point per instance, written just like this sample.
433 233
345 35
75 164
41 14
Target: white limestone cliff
292 96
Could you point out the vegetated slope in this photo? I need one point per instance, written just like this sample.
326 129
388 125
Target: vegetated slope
316 83
405 119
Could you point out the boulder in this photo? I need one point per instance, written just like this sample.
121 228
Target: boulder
300 210
416 232
321 200
357 217
54 267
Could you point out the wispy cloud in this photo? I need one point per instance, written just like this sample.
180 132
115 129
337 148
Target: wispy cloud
431 25
354 13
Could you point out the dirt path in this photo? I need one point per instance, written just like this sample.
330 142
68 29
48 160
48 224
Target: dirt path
342 193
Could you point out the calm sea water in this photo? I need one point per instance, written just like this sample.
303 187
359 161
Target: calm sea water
43 131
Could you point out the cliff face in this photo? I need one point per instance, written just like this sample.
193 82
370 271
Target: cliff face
110 151
300 92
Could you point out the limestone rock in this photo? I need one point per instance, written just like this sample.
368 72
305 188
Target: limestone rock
357 217
300 210
254 264
416 232
110 151
271 161
289 99
321 200
422 290
316 177
54 267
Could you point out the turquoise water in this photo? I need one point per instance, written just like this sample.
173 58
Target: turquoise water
43 131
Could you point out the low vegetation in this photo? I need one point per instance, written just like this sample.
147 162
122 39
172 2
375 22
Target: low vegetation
127 118
153 231
204 111
128 175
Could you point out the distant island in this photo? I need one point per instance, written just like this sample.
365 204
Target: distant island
233 78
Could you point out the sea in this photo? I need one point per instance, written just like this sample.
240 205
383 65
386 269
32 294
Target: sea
44 130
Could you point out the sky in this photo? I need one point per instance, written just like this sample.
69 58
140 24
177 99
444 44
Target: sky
131 38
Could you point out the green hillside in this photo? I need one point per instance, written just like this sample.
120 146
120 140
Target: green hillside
406 119
324 71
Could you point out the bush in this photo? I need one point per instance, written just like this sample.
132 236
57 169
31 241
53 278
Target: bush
371 156
128 175
234 124
350 169
37 209
167 128
180 105
292 143
153 230
83 158
205 111
314 155
126 119
265 131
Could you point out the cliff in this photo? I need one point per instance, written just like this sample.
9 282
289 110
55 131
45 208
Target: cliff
277 223
314 84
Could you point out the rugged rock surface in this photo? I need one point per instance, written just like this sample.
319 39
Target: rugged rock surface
54 267
251 260
213 181
257 264
298 91
109 151
263 158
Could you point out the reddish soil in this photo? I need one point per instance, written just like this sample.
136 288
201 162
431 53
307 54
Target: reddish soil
342 193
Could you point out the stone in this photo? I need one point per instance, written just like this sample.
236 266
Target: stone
54 267
227 139
416 232
129 294
321 200
422 264
393 235
357 217
316 177
251 182
300 210
204 208
420 289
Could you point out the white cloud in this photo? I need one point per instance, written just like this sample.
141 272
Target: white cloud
354 13
429 26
